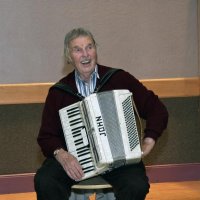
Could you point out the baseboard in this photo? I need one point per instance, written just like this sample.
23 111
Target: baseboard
173 172
18 183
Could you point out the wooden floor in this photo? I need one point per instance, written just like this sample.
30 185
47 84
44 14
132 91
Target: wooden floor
159 191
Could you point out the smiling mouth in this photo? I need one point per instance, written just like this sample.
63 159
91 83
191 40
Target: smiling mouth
85 61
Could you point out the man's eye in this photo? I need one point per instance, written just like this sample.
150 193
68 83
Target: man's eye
90 47
77 49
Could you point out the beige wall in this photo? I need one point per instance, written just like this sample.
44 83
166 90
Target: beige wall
149 38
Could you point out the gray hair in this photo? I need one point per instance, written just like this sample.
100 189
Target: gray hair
73 34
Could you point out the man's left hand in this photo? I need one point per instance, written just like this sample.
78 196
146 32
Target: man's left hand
147 146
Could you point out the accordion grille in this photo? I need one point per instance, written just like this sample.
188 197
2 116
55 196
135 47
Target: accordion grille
130 123
111 121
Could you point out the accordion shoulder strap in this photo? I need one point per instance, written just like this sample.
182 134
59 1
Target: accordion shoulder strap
106 77
68 89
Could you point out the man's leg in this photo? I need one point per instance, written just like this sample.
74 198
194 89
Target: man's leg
129 182
51 182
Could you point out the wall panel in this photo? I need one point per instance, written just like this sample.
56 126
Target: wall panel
19 125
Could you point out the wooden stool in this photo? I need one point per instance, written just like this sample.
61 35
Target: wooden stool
92 187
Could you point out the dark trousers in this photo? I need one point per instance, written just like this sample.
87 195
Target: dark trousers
129 182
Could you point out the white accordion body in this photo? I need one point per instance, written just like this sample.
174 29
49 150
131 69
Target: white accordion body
101 131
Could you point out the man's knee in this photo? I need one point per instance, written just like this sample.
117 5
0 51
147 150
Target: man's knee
42 182
133 191
140 190
48 187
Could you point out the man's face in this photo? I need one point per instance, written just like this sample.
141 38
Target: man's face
83 55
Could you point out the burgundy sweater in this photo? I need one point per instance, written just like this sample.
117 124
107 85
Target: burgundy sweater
149 107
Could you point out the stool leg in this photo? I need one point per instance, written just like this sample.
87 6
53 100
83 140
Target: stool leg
92 196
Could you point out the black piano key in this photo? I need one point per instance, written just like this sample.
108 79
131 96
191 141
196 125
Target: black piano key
81 148
73 109
77 132
78 145
88 169
83 162
78 142
77 128
83 154
73 115
87 164
71 112
75 120
76 123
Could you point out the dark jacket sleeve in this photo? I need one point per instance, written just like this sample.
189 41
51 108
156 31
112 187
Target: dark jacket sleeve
150 108
50 135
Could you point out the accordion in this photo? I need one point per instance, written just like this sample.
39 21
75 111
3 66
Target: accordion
101 131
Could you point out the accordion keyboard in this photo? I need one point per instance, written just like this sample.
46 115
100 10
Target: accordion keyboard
77 141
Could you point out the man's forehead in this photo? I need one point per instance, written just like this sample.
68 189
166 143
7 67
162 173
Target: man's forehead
81 41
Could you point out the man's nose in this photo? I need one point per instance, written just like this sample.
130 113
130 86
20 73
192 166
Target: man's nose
85 52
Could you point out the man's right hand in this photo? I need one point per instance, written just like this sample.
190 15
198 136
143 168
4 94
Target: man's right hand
70 165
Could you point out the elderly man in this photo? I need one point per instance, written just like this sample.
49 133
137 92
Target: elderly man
61 169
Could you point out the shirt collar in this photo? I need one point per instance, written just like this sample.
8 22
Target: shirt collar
95 72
